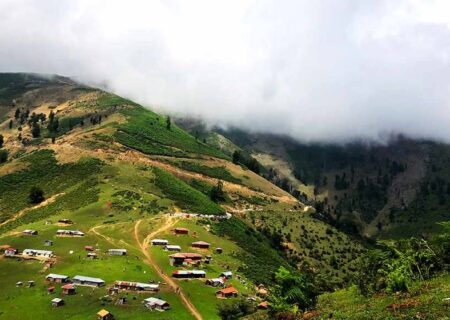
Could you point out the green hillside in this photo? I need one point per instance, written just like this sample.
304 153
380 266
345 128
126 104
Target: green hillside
124 175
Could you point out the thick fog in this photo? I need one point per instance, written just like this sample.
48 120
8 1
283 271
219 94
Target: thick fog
315 70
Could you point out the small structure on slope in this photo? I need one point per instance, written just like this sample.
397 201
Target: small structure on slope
58 278
156 304
104 315
200 245
172 247
159 242
36 253
188 274
29 232
117 252
227 293
57 302
181 231
68 289
88 281
69 233
179 259
136 286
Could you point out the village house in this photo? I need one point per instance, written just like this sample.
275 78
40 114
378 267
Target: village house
172 247
200 244
135 286
92 255
227 274
263 305
48 243
88 281
4 247
69 233
160 242
179 259
215 282
29 232
219 250
181 231
104 315
89 248
65 221
261 290
156 304
58 278
227 293
117 252
57 302
187 274
68 289
37 253
10 252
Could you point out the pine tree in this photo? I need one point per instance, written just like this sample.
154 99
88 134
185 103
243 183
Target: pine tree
36 131
168 123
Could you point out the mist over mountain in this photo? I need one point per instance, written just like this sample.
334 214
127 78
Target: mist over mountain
316 71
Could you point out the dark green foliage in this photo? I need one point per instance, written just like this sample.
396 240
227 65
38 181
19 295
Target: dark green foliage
168 123
394 265
236 156
292 290
201 186
43 171
234 310
36 131
36 195
146 131
184 195
217 194
260 260
3 156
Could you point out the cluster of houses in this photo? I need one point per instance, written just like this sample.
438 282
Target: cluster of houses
69 288
9 251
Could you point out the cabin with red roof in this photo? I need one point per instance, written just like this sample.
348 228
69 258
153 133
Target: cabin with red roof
179 259
263 305
10 252
181 231
200 244
89 248
227 293
68 289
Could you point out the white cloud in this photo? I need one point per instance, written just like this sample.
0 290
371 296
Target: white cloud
316 70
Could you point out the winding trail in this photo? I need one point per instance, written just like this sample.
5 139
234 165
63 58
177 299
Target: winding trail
170 222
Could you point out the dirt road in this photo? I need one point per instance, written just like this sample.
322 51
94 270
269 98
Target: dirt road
168 223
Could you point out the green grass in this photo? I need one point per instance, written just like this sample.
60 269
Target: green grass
146 131
426 297
184 195
45 172
107 100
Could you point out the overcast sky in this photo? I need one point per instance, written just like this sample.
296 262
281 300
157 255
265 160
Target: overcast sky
316 70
